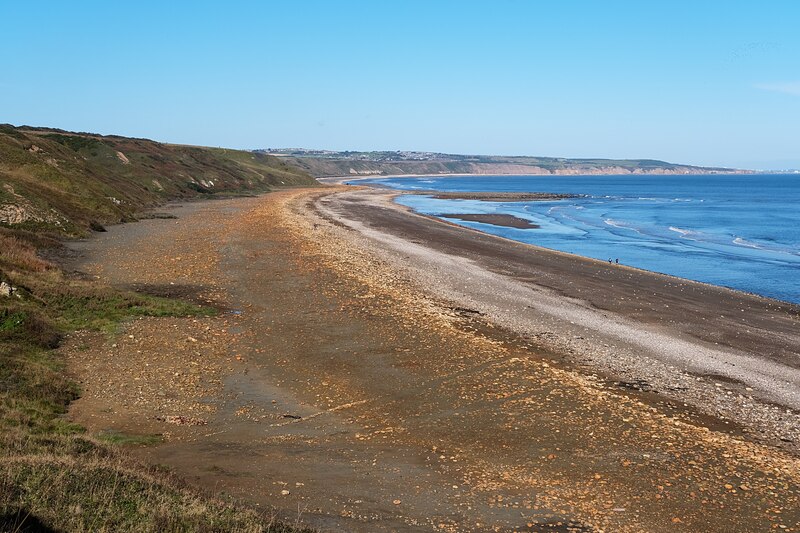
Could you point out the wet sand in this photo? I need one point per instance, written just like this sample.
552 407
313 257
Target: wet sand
335 388
508 221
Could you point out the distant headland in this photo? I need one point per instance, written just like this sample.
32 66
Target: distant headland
327 163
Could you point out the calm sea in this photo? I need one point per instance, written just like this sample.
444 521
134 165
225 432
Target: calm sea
737 231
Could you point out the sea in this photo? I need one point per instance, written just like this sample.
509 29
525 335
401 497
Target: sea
740 231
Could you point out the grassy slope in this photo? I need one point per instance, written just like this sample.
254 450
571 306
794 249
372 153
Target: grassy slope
66 181
52 474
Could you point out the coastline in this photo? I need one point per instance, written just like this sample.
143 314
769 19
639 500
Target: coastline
599 262
392 194
546 196
414 412
611 295
340 180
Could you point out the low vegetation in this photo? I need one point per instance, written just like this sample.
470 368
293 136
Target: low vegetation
54 476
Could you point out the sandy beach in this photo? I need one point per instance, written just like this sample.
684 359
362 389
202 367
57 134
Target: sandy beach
376 370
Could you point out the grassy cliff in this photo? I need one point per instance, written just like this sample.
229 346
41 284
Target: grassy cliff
68 182
54 476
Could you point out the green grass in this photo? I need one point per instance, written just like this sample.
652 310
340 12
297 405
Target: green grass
128 439
102 309
75 142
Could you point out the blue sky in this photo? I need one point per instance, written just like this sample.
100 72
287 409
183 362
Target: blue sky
714 83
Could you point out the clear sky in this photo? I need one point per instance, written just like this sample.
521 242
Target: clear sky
703 82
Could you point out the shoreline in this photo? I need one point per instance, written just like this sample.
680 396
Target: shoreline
631 368
336 384
601 262
537 197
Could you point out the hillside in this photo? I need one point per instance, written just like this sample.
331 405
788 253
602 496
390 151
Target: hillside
67 182
55 475
320 163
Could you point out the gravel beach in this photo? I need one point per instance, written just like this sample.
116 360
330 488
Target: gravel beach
727 354
374 370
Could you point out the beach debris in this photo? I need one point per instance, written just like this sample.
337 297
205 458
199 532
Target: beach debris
180 420
637 385
293 417
466 311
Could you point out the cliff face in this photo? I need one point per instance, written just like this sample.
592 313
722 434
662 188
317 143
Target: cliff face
67 182
329 167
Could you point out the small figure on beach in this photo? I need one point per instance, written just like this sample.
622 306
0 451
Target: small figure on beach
609 261
617 260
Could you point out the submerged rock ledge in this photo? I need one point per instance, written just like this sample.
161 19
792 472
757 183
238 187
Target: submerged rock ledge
502 196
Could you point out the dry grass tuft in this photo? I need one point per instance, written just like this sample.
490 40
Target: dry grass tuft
95 488
19 254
